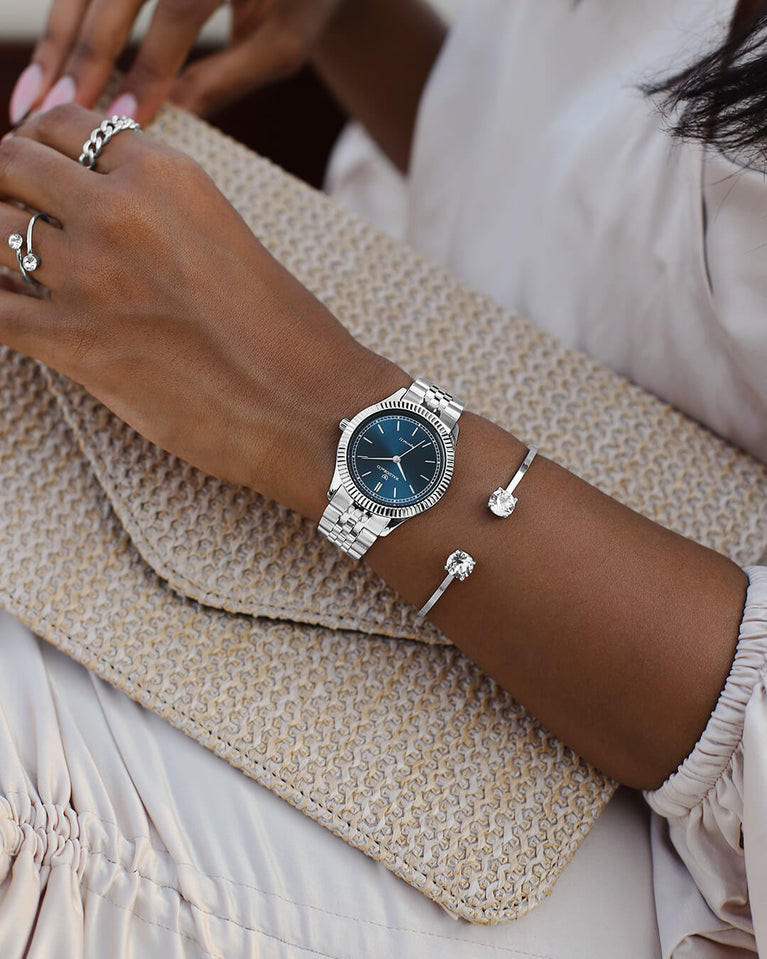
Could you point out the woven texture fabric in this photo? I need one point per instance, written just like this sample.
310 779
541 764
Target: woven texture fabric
233 619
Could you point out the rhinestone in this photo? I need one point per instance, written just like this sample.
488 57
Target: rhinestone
31 262
459 564
15 241
502 503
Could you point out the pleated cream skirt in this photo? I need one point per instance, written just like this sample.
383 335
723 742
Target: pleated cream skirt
120 837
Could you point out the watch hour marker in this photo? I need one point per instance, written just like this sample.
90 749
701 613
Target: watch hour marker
414 432
432 462
427 478
398 426
368 473
395 492
411 489
380 428
367 440
379 487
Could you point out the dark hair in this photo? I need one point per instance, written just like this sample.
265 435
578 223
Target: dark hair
722 99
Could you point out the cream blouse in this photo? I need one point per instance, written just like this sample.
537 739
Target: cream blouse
543 175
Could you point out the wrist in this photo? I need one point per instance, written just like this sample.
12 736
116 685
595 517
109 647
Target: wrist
411 558
360 380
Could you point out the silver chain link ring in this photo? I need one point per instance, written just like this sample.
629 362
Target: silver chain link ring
102 135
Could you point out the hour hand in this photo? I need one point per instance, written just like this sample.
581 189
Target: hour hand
399 467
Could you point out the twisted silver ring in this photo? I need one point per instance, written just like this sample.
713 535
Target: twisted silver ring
29 261
102 135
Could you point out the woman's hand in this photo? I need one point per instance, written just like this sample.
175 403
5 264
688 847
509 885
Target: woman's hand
165 307
73 62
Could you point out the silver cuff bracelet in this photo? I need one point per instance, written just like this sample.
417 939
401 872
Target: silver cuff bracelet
502 501
459 565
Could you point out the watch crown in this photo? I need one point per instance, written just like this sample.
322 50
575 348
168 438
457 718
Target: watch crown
343 424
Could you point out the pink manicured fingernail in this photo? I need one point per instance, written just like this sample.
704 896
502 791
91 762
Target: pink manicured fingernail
125 105
25 93
63 92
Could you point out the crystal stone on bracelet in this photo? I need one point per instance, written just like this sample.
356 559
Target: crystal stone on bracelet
15 241
502 503
460 564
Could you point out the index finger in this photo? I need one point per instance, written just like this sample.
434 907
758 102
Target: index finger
102 36
173 30
65 130
48 58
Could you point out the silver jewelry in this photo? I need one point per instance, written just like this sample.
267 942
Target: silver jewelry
29 261
502 502
102 135
459 565
394 460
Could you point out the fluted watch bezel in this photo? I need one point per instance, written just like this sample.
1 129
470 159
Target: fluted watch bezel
349 484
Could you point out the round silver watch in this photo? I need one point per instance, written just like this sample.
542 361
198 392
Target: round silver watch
394 460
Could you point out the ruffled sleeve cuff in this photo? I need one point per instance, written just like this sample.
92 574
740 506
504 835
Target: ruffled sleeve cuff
705 765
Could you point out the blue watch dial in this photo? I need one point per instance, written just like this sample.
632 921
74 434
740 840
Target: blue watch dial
396 458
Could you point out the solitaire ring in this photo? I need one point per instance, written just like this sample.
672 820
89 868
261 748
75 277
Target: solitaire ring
29 261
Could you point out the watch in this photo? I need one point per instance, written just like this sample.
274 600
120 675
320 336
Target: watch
394 460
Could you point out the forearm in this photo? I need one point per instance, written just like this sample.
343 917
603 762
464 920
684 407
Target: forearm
617 634
375 56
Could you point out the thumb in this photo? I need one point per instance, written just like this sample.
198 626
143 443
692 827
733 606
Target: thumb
212 83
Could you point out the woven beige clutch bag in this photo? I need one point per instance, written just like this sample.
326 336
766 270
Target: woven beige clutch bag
238 623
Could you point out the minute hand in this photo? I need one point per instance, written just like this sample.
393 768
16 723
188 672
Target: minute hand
402 455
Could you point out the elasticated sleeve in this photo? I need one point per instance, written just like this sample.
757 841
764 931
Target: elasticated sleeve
715 805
